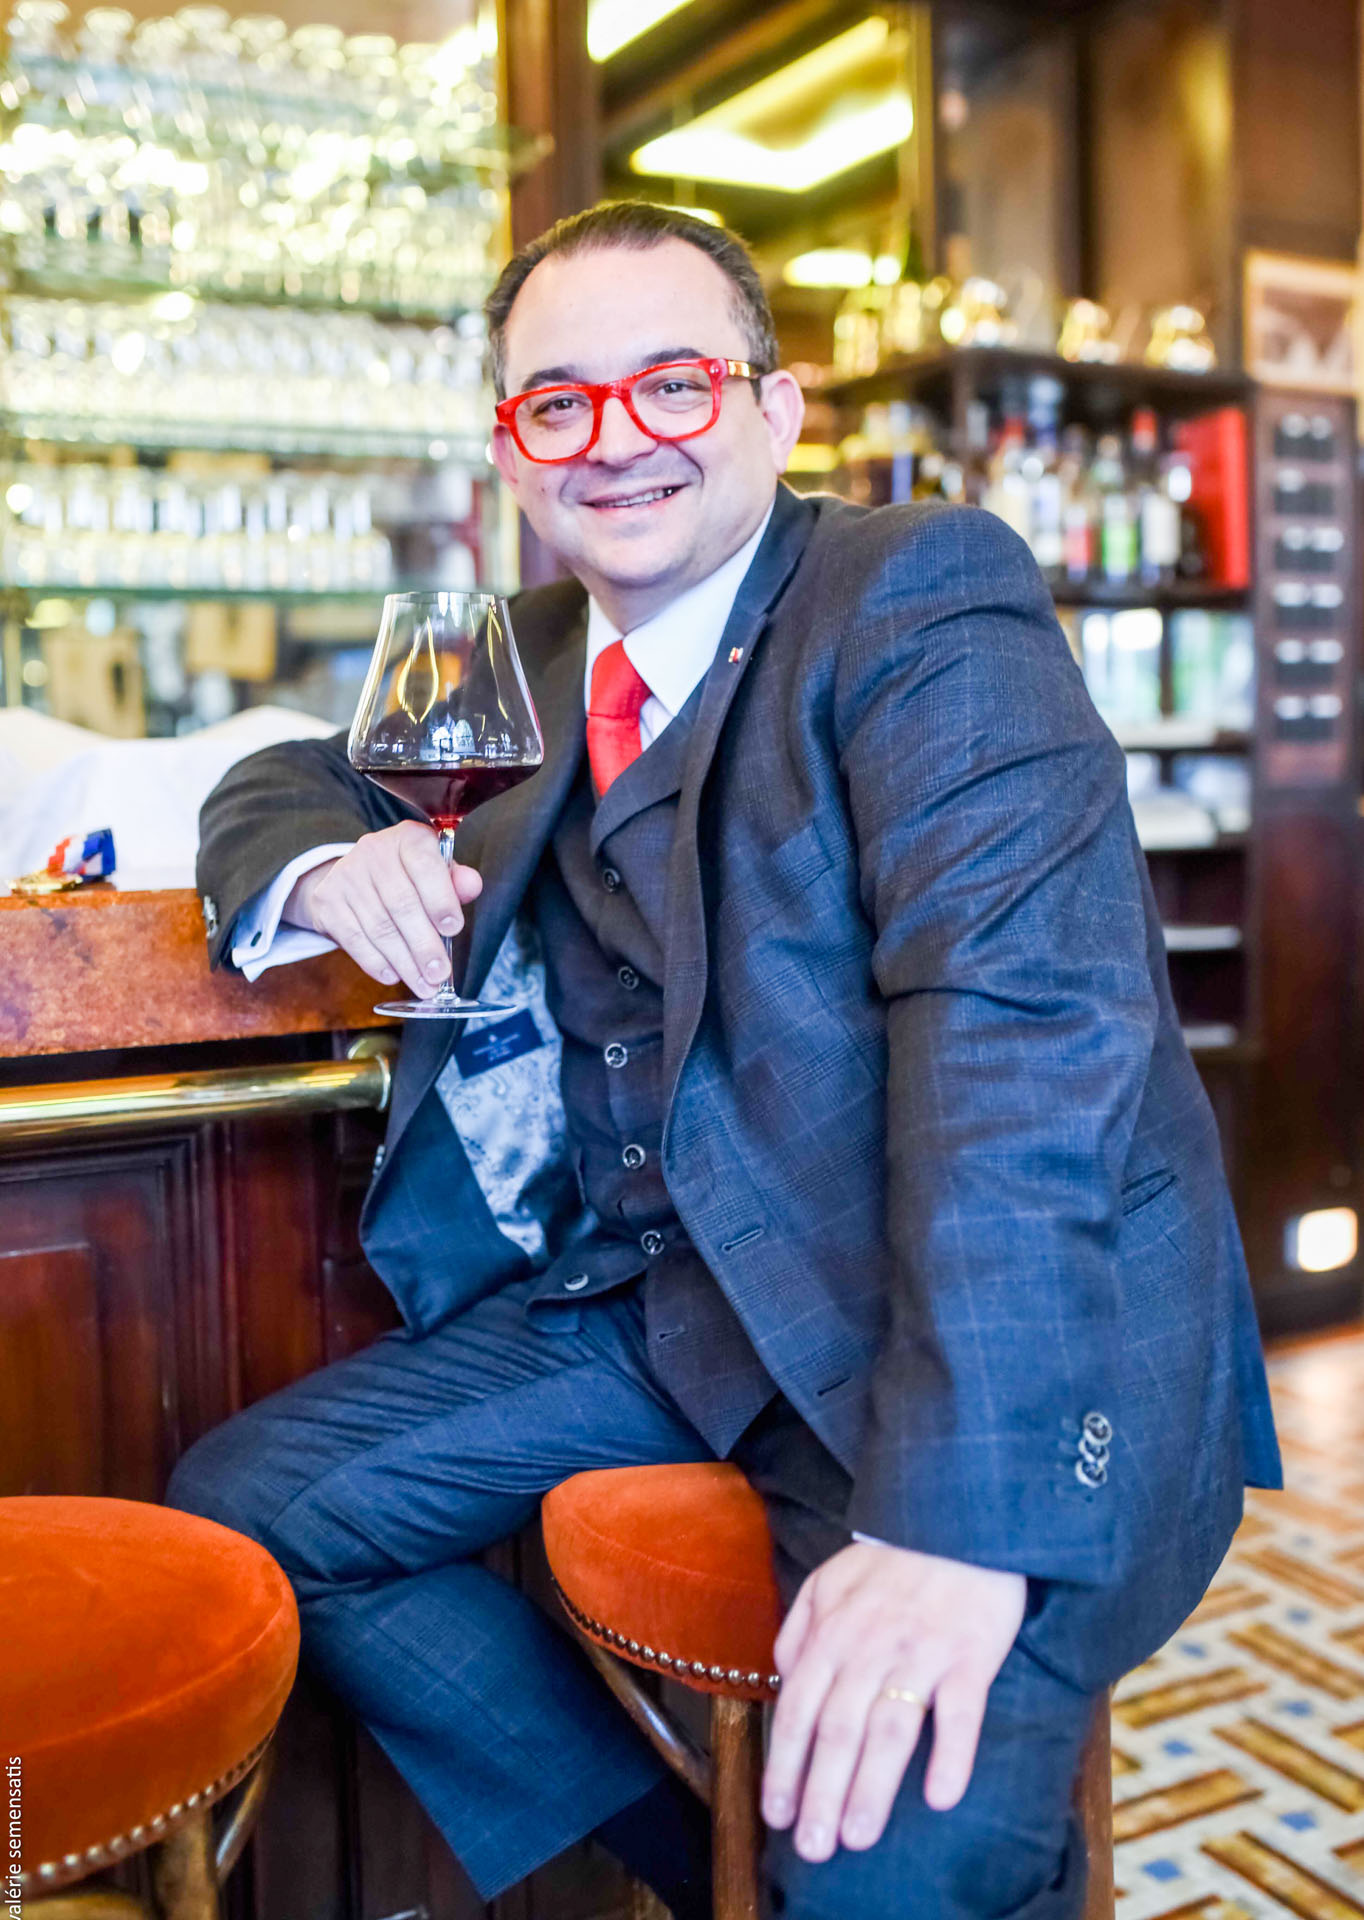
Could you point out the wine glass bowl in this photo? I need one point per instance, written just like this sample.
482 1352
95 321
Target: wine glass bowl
445 723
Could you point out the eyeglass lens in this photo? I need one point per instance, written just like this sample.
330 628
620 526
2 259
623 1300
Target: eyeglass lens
670 401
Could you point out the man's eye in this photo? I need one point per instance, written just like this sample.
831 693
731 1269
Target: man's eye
557 404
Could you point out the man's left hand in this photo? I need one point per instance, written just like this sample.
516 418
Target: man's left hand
876 1636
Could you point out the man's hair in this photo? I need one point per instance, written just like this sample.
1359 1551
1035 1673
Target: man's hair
638 225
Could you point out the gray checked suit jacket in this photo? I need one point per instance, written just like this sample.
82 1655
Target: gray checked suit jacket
930 1119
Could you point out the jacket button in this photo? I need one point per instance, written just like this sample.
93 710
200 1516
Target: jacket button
1090 1473
628 978
575 1283
615 1055
633 1157
610 879
651 1242
1099 1429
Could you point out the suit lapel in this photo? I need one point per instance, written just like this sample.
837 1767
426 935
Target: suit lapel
505 839
685 945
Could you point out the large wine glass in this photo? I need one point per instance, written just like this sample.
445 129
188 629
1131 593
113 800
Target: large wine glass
445 722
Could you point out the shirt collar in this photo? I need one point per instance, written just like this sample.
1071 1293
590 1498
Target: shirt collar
672 650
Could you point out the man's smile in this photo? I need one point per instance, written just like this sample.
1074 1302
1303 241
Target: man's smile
623 501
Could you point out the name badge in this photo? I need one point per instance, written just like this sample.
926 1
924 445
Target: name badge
494 1043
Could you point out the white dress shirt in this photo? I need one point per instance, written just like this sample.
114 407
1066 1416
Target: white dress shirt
670 652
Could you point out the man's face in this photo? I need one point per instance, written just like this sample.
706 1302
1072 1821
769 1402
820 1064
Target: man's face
639 520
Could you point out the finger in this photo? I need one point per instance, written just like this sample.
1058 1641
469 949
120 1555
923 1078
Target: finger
802 1695
893 1731
389 906
432 881
351 937
834 1760
382 931
958 1712
795 1627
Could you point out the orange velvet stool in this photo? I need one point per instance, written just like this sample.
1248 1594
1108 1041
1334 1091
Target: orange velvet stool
670 1568
145 1655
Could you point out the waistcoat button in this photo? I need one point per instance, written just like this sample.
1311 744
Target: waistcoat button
651 1242
633 1157
610 879
615 1055
628 978
575 1283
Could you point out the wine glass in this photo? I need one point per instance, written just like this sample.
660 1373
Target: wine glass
445 722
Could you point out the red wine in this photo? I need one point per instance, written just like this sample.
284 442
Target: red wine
445 794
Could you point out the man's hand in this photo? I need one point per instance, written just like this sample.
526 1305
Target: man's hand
389 903
871 1619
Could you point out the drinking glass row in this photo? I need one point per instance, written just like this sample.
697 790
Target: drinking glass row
94 527
177 360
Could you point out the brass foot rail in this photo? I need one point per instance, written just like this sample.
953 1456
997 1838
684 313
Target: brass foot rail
362 1080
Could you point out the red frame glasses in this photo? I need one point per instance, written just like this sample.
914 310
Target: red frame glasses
604 390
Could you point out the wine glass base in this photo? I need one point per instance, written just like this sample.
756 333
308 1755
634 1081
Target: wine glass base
446 1006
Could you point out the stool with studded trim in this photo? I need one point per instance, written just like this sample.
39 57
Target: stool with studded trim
669 1568
145 1655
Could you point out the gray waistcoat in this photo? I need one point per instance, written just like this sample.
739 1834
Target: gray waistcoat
600 903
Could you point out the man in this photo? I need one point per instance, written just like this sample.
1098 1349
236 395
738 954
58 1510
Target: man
889 1175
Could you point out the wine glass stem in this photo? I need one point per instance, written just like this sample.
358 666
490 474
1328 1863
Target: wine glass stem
446 843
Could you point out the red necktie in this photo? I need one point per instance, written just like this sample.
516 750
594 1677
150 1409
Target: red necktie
613 710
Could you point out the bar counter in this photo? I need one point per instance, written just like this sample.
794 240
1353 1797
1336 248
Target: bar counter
183 1157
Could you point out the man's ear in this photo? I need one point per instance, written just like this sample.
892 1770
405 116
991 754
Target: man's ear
783 408
503 449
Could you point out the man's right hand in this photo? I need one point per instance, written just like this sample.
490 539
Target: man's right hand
389 903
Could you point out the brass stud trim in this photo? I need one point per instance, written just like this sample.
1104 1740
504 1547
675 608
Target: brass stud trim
144 1832
669 1662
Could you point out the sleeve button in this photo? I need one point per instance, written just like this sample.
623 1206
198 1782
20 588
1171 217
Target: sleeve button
575 1283
1090 1473
1099 1428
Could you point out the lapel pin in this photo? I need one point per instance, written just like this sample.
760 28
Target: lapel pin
736 654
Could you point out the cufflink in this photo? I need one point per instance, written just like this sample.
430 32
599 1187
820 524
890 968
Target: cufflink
210 912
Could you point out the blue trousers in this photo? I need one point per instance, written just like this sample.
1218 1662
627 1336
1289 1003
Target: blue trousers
377 1481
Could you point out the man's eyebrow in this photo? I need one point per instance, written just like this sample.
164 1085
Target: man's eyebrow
554 376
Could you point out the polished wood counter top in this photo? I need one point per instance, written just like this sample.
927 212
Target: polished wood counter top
108 967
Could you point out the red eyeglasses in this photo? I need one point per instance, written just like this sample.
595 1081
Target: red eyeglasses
674 401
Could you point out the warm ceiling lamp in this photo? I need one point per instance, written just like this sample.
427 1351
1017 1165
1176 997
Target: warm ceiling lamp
830 110
613 24
840 267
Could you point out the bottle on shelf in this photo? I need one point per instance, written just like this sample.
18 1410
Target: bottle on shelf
1079 508
1118 515
1006 490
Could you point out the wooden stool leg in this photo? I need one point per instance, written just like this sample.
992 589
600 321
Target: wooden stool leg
183 1872
736 1824
1094 1804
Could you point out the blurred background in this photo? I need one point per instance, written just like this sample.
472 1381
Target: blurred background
1091 265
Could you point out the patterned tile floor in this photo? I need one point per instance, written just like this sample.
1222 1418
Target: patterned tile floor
1238 1751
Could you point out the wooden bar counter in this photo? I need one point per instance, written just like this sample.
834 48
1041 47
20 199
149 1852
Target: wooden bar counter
182 1161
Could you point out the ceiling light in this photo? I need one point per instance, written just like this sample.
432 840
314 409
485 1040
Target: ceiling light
613 24
829 267
827 112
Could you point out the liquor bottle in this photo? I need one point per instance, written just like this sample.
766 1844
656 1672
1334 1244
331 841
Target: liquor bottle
1117 514
1042 475
1158 515
1006 492
1080 508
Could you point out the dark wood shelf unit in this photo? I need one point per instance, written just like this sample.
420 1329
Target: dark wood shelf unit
1171 597
1091 390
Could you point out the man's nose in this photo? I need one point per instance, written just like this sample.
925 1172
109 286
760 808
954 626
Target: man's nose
620 438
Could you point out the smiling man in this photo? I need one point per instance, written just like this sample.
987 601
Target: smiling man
851 1137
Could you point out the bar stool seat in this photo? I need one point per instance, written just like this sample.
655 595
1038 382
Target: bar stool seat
670 1568
145 1655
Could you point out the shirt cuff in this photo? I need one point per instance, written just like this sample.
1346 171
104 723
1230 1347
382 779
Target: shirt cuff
871 1539
259 941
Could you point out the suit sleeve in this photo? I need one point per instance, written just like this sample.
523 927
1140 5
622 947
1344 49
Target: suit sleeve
1002 878
273 806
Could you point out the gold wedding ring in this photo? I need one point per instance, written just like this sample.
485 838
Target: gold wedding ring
904 1693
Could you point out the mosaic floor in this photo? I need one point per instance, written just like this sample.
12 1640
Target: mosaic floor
1238 1751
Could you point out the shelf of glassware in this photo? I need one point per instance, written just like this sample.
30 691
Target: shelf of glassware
244 436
